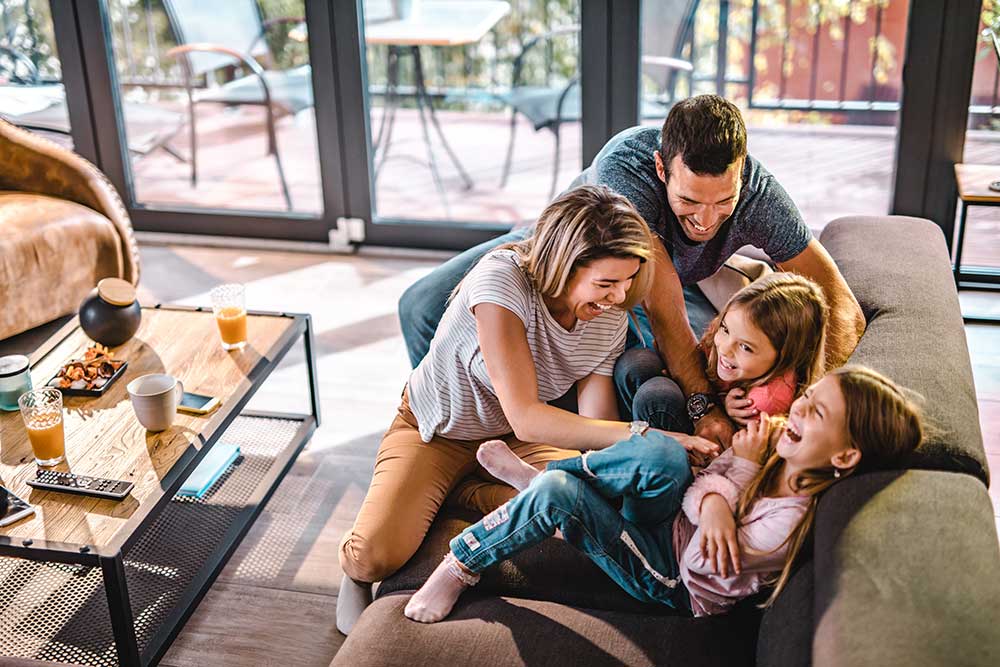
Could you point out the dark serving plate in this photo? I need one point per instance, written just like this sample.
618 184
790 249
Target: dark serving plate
91 392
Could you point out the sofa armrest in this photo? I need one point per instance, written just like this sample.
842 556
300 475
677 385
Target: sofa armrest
899 270
35 164
905 572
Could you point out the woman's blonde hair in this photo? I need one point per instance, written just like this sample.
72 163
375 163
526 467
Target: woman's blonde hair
792 312
587 223
881 422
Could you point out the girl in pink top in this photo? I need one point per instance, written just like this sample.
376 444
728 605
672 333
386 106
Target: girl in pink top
698 546
766 344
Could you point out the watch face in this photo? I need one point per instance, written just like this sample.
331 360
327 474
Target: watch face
697 405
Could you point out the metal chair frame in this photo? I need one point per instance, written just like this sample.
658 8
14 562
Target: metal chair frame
247 61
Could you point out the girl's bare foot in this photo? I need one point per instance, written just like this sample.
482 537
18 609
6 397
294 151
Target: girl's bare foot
438 595
502 463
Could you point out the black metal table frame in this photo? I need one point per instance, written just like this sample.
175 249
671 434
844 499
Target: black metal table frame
959 243
382 140
109 558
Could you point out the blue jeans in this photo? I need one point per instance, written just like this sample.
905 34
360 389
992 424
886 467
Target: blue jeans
634 546
424 302
644 390
646 393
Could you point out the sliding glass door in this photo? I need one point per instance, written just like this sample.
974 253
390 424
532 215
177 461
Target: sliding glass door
217 104
32 94
474 107
211 117
442 123
425 123
819 84
981 248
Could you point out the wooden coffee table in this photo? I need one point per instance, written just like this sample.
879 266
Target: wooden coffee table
99 582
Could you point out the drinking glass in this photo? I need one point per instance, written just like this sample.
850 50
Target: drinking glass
229 306
42 412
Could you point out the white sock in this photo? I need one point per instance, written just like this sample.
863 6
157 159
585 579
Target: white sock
498 459
438 595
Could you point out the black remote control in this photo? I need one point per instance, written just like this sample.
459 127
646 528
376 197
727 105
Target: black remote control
67 482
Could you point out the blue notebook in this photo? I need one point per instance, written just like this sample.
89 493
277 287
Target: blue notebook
216 462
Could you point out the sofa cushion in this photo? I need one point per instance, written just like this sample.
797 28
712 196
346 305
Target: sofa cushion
786 627
906 570
552 570
915 333
510 631
52 253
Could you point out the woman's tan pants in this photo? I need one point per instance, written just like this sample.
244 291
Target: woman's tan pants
411 481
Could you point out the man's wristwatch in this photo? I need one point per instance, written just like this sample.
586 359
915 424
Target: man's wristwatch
698 405
638 427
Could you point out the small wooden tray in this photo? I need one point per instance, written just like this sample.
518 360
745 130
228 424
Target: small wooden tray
89 392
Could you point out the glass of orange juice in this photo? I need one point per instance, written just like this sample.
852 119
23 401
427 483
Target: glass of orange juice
229 306
43 417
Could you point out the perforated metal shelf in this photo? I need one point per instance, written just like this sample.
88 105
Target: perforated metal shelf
59 613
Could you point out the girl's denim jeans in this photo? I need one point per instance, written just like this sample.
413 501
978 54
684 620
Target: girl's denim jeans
634 545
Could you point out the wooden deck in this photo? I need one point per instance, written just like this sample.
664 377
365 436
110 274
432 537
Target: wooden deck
829 171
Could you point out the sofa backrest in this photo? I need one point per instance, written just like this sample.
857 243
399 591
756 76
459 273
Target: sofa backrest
900 272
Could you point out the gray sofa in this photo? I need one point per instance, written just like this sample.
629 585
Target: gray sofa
903 567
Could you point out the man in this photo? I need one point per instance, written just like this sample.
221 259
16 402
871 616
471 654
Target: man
705 198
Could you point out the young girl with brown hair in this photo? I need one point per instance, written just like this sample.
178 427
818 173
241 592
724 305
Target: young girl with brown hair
766 344
698 546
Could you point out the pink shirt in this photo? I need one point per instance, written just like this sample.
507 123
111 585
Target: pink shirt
762 531
774 397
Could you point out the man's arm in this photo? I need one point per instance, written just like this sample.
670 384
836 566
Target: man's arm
847 321
678 345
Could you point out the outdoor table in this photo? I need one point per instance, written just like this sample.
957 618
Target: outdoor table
432 23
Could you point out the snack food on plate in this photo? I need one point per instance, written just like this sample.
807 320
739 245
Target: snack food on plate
91 372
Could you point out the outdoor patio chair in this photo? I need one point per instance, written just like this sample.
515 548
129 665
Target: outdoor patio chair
212 36
666 28
34 103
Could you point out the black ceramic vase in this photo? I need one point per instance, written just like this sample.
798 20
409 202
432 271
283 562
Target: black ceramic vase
110 315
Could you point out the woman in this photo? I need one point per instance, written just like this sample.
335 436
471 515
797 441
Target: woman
529 321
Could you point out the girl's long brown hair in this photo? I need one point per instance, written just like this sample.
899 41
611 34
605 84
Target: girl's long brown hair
792 312
881 422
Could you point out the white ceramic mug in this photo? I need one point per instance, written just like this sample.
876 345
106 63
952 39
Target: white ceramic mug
154 399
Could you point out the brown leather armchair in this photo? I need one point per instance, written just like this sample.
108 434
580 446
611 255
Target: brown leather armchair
63 227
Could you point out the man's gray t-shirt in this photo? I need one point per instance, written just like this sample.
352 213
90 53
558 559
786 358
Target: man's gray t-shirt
765 216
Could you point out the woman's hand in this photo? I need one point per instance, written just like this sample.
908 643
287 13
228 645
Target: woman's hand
718 535
751 442
700 451
740 408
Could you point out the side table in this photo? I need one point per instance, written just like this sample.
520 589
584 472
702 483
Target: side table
973 190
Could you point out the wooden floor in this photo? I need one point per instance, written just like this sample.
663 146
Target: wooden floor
829 171
274 603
